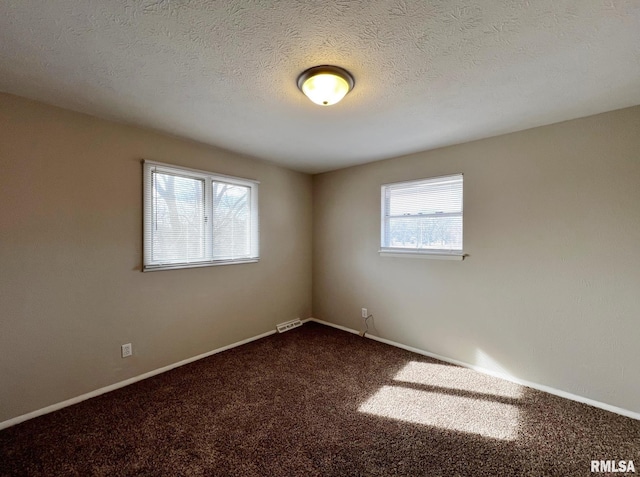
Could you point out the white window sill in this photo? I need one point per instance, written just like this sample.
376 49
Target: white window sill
155 268
422 254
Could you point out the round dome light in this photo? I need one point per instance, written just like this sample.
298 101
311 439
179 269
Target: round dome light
325 85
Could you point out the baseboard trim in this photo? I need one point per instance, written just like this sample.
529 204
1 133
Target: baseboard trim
126 382
480 369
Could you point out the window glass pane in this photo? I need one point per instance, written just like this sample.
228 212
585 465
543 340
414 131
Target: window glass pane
231 220
423 215
436 233
178 220
195 218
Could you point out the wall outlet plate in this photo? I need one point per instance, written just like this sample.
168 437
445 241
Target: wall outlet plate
364 313
127 350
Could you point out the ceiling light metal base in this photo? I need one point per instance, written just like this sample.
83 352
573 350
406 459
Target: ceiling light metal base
316 70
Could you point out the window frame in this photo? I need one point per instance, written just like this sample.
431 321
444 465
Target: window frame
442 254
148 264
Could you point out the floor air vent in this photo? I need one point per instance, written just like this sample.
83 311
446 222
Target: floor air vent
289 325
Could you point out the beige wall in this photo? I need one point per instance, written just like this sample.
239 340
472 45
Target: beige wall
71 289
551 290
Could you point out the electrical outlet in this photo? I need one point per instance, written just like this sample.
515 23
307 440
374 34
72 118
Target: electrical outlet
364 313
127 350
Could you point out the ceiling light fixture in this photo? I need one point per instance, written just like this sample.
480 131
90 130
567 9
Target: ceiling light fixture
325 85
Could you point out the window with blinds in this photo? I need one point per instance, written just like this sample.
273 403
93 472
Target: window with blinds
195 218
423 216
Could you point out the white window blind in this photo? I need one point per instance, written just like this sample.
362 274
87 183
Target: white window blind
196 218
231 220
423 216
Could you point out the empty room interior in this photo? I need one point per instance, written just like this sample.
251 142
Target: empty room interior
282 238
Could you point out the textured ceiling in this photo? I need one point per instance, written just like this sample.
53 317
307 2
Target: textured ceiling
428 73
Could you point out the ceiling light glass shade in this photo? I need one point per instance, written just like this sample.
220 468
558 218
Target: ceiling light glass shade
325 85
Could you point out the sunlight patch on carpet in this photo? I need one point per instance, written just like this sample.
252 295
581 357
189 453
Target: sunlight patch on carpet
456 413
454 377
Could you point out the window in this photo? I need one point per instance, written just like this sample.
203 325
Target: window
423 216
195 218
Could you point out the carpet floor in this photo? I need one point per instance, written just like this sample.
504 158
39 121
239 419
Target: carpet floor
317 401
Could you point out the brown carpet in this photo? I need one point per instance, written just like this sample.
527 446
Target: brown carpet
318 401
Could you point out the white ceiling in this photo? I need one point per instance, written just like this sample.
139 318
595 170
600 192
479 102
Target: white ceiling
428 73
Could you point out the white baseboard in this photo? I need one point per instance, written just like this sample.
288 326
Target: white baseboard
126 382
480 369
